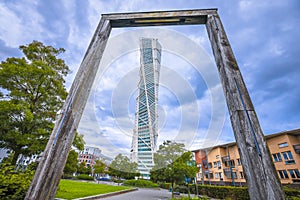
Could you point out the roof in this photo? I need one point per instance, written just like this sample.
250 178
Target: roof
295 132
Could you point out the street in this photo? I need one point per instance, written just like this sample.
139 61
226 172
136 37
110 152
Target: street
145 194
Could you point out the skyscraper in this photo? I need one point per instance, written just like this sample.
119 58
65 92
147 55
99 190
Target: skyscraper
145 132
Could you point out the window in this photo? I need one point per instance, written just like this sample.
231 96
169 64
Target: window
288 157
277 157
234 175
215 164
219 165
217 175
285 144
217 156
242 175
209 165
283 174
239 161
221 175
294 173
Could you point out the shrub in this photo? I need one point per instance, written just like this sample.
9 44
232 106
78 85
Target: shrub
238 193
223 192
292 194
140 183
85 177
14 184
165 185
181 189
67 176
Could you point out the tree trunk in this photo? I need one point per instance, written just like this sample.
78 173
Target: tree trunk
15 158
172 183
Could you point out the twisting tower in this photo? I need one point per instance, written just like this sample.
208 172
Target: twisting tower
146 127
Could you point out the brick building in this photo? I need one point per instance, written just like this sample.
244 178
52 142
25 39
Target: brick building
89 155
221 165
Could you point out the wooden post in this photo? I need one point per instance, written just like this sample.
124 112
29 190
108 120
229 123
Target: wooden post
50 168
262 179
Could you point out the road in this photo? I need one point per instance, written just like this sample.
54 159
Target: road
145 194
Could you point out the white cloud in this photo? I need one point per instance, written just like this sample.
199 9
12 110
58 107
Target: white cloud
20 23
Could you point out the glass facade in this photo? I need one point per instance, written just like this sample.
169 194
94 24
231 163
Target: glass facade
146 128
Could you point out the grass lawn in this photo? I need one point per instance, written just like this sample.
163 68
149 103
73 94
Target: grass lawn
69 189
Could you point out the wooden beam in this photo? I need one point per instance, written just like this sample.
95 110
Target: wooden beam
262 179
50 168
159 18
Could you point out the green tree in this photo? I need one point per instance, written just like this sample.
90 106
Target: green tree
121 167
32 92
99 167
72 160
71 164
83 169
172 164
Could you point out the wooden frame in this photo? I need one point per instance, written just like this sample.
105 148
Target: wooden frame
262 179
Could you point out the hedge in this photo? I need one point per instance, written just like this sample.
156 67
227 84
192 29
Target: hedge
227 192
165 185
140 183
84 177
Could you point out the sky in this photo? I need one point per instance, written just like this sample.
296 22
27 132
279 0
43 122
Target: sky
264 36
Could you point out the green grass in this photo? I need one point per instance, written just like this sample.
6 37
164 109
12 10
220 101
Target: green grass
69 189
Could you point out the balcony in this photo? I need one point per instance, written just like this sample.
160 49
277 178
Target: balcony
225 158
297 148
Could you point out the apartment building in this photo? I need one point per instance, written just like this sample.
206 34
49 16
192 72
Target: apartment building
89 155
221 165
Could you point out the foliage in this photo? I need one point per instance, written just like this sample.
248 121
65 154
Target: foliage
291 193
83 169
69 189
234 193
223 192
140 183
99 167
172 164
32 92
14 184
188 198
84 177
72 160
71 164
165 185
121 167
78 142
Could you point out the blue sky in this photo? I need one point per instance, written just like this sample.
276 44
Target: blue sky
264 36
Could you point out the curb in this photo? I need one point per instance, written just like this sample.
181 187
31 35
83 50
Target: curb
107 194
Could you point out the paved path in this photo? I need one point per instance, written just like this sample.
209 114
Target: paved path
142 194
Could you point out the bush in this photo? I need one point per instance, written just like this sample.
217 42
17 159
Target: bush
67 176
165 185
241 193
14 184
84 177
181 189
223 192
140 183
292 194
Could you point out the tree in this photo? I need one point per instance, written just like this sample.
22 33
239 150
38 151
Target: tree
121 167
99 167
32 92
172 164
72 160
83 169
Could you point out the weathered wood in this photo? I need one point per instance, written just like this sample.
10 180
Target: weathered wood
262 179
50 168
259 170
